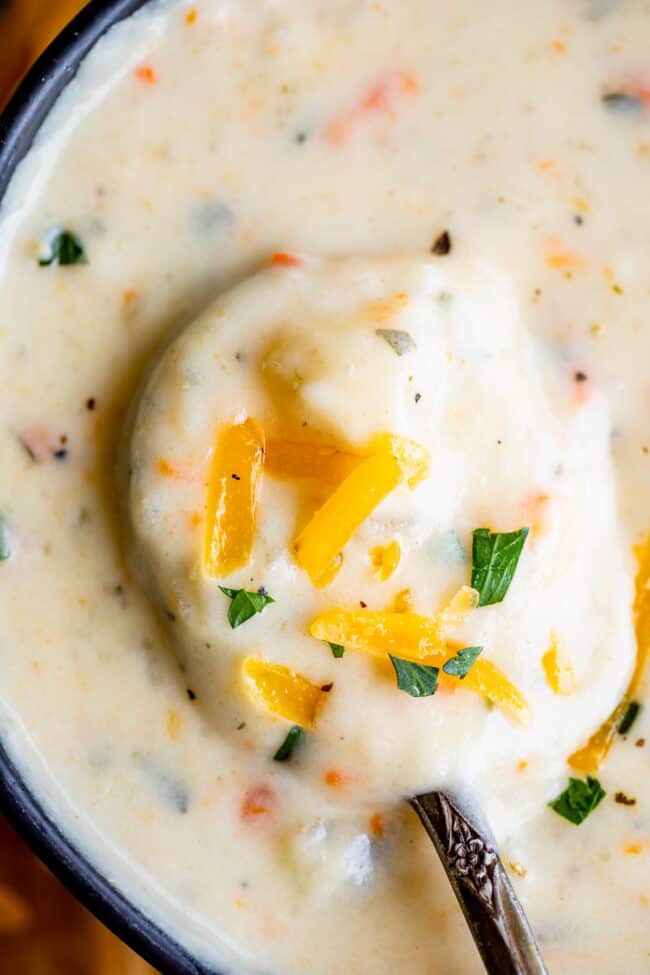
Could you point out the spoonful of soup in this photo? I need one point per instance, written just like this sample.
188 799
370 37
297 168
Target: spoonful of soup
365 502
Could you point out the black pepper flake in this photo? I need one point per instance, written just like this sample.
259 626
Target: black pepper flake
640 743
240 727
578 220
418 397
362 604
326 688
91 403
580 377
171 616
191 694
621 101
60 454
624 800
442 244
235 477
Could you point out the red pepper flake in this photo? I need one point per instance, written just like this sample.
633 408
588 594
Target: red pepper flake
640 743
257 802
282 259
147 74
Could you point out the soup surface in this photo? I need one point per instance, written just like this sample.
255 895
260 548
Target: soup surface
325 466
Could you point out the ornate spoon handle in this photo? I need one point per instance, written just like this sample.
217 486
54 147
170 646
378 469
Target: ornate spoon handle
495 917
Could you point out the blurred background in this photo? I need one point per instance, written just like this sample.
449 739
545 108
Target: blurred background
43 930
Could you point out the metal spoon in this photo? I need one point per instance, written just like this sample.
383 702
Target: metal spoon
495 917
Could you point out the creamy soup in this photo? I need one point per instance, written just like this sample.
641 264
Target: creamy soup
325 469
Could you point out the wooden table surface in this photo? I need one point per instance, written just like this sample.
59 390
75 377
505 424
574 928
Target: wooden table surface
43 929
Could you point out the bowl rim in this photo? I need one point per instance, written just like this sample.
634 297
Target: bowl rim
20 122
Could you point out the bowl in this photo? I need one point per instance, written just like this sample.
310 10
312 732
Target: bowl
19 125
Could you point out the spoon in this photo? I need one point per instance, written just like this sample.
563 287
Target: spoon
493 913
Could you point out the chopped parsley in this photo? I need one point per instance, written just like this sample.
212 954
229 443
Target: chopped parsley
5 546
494 560
244 604
63 248
337 650
399 341
578 800
285 751
630 716
415 679
461 664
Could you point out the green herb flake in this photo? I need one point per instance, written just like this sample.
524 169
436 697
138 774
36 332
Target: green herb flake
399 341
630 716
5 544
415 679
337 650
285 751
63 248
301 137
578 800
462 663
495 556
244 604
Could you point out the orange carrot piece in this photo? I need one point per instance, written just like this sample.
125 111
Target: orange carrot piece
282 259
377 826
257 802
147 74
379 98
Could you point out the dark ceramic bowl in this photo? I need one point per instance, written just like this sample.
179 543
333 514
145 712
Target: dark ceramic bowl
19 125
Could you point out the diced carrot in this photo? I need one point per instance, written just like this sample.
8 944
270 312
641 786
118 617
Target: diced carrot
282 259
559 673
191 16
379 98
147 74
324 537
285 692
376 826
385 559
257 802
336 779
231 506
296 459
